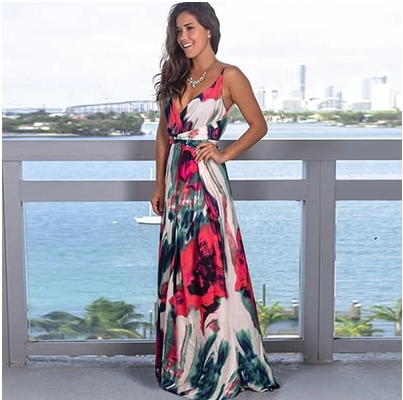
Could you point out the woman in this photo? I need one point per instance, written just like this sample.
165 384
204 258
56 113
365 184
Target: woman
208 337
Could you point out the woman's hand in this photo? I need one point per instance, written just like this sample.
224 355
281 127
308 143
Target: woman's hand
208 151
157 200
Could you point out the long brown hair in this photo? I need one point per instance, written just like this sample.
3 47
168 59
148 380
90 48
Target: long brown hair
175 66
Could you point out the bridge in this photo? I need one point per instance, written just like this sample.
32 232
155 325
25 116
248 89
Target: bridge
120 107
331 103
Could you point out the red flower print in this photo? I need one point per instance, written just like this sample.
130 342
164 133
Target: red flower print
213 325
203 272
178 302
174 121
188 168
241 267
192 134
214 91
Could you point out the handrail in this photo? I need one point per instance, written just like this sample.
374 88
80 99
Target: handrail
143 150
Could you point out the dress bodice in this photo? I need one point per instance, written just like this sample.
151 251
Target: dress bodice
204 118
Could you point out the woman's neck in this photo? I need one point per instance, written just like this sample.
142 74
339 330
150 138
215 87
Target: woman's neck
203 62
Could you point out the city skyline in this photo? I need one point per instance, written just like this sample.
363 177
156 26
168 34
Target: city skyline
62 54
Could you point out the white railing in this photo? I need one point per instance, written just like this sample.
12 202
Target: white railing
318 189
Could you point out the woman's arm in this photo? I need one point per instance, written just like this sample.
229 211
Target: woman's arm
238 90
161 145
241 93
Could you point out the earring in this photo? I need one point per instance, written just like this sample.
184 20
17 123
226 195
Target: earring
209 35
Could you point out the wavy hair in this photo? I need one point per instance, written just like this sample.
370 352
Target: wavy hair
175 66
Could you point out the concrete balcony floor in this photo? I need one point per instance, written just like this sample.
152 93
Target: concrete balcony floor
350 377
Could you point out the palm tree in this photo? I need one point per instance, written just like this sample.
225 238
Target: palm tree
389 314
349 328
269 315
106 319
58 325
103 319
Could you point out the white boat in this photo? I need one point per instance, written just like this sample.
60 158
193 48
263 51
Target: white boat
307 121
151 218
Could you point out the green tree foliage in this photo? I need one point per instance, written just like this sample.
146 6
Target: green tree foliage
101 116
101 124
269 315
390 118
10 124
98 124
103 319
236 116
351 328
129 123
152 115
37 116
389 314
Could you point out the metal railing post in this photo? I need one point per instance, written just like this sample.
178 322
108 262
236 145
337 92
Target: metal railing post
327 251
5 328
14 264
309 259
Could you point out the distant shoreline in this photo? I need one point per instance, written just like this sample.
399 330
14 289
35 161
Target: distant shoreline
149 131
69 135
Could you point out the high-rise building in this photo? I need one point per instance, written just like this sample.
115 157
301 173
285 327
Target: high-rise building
272 102
295 82
316 91
303 81
382 97
261 98
376 80
292 105
359 90
329 91
398 101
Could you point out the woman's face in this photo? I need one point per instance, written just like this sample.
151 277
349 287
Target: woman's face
191 36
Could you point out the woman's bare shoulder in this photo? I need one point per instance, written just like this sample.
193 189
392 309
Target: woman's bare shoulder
232 72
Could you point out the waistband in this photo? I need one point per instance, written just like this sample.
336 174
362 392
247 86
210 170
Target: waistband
192 138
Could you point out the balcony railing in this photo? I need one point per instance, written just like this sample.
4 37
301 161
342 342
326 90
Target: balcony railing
319 190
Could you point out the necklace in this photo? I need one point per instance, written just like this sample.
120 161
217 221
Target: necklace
195 82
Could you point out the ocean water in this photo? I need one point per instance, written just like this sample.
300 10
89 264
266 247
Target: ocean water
78 252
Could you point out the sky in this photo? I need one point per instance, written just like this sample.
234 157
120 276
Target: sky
58 54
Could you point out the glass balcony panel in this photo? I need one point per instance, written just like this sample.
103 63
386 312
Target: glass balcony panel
78 254
88 170
271 232
264 169
142 170
368 267
368 170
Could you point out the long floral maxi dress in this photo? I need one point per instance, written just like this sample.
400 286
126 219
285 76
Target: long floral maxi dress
209 344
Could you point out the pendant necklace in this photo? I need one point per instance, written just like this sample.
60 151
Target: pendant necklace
195 82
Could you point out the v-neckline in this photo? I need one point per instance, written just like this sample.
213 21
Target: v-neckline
194 98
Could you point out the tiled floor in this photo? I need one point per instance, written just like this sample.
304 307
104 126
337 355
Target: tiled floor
349 377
